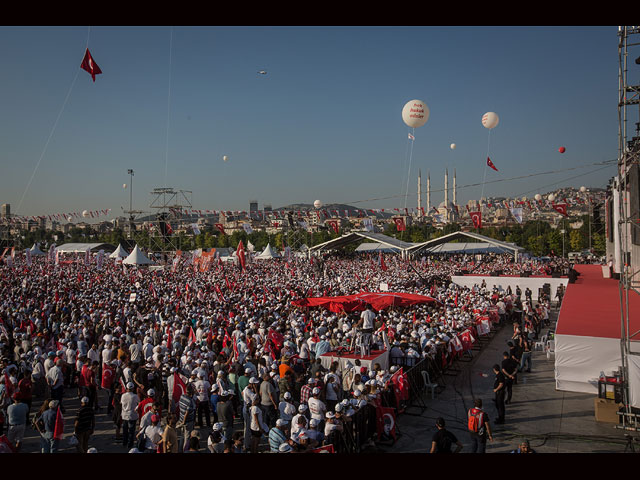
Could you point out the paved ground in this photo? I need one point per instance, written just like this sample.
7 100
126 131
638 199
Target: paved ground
553 421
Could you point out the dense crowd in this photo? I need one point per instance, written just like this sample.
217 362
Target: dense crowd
230 343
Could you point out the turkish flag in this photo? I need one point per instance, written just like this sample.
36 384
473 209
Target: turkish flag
220 227
179 387
476 217
490 164
192 336
334 225
276 338
241 257
383 266
386 422
108 374
58 430
323 449
400 224
90 66
560 208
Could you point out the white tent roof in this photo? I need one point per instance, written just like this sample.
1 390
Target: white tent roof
136 257
83 247
35 250
119 253
268 253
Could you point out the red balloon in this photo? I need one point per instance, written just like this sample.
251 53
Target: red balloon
561 149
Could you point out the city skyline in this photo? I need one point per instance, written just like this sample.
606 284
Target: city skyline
324 121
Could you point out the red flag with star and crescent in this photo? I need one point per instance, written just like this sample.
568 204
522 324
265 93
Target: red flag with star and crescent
476 217
490 164
561 208
89 65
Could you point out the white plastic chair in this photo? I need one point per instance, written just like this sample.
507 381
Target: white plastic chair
428 384
541 344
551 348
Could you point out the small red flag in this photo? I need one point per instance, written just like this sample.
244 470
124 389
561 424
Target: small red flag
192 336
90 66
490 164
400 224
476 217
58 430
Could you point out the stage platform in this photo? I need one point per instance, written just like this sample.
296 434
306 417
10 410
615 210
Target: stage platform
348 360
587 337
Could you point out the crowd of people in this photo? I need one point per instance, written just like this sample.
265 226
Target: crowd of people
186 350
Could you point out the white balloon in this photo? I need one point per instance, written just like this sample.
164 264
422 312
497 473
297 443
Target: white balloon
551 197
85 213
538 197
415 113
124 185
453 146
225 158
317 204
490 120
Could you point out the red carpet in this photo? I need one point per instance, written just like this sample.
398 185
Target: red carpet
591 306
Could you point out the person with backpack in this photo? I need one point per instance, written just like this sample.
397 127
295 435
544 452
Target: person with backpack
479 427
443 439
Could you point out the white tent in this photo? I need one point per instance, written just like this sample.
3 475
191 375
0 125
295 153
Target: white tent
119 253
267 253
35 250
136 257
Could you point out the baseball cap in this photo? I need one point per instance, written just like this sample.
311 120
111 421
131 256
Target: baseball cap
285 448
315 391
84 400
130 386
280 422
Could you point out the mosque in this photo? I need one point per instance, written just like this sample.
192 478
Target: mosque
448 210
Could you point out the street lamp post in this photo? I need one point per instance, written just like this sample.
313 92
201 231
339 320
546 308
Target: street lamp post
130 172
562 232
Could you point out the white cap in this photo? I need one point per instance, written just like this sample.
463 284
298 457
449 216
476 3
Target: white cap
151 392
280 422
285 448
315 391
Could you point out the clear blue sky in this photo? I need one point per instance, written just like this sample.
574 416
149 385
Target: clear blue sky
324 123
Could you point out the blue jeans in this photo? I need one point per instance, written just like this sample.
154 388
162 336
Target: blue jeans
526 358
48 444
128 433
478 443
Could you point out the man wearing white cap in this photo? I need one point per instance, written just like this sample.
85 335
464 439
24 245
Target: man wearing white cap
249 394
202 387
129 402
277 435
316 406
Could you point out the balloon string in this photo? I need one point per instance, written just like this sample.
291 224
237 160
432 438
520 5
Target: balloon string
404 162
485 167
53 129
166 155
409 171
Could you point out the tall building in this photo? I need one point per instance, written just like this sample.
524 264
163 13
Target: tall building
253 207
5 212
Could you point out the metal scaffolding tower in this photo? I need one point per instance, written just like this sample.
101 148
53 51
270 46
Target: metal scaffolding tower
627 205
169 205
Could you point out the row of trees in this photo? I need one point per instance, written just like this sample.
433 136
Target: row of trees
537 237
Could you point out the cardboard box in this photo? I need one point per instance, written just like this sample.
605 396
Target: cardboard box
607 410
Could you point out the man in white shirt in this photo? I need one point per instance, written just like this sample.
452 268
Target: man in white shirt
316 406
366 325
129 402
202 387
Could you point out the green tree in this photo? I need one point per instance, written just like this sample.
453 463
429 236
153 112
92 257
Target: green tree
576 240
